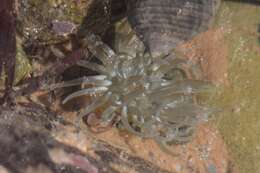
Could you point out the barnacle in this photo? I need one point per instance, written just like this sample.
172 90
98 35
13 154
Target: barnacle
138 89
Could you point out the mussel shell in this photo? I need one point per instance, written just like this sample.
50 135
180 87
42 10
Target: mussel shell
162 24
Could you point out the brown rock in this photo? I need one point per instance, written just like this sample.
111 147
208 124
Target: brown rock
210 51
206 153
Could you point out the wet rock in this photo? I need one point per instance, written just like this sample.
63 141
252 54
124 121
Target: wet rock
35 140
212 58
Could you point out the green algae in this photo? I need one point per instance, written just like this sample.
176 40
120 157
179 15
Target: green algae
239 121
23 66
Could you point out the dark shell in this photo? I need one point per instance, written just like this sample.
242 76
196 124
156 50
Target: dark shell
162 24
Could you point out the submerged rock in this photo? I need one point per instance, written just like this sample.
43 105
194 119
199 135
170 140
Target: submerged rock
49 21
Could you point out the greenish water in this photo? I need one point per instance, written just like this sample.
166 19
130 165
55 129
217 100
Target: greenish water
239 122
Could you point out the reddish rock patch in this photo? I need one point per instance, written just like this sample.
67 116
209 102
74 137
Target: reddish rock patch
210 51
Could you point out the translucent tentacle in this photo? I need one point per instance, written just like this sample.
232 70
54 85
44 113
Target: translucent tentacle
164 147
108 115
126 124
87 91
162 66
94 80
149 128
184 113
99 101
133 95
93 66
180 87
172 99
100 50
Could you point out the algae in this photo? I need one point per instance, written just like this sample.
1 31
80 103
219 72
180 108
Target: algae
23 66
239 121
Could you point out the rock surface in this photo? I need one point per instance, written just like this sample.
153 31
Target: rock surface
35 140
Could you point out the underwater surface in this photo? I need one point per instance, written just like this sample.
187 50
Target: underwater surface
239 98
239 120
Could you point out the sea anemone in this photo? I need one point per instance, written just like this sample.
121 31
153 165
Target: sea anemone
142 92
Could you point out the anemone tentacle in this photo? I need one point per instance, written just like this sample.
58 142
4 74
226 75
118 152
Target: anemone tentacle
151 105
82 92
